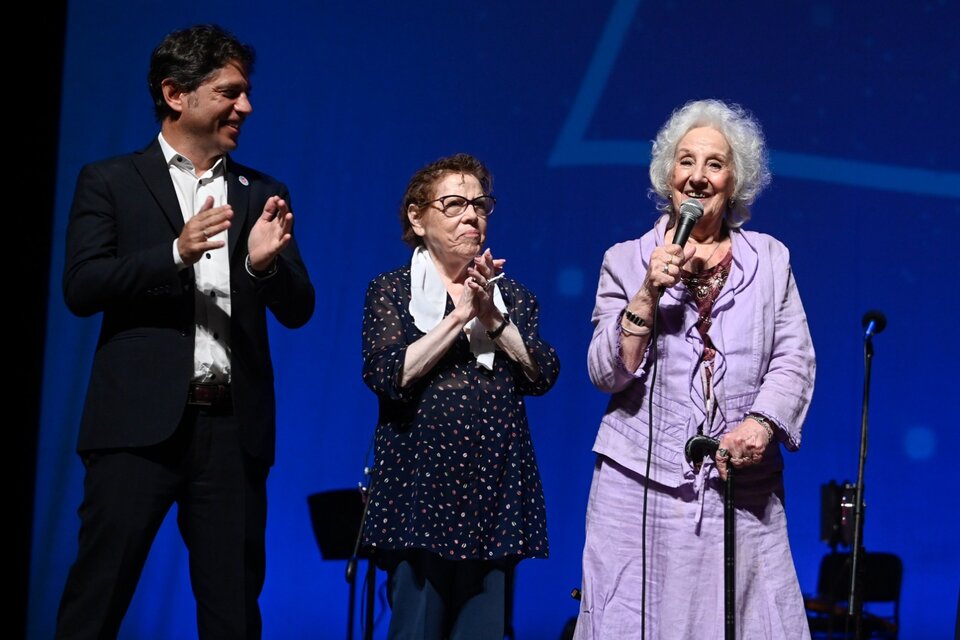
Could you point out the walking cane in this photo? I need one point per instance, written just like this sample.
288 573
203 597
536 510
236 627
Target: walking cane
696 449
729 564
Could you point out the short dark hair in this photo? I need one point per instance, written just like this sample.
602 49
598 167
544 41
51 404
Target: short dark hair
421 185
190 56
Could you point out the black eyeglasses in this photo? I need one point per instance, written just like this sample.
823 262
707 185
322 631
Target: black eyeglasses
453 206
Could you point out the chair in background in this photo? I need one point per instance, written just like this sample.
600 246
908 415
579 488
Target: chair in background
880 583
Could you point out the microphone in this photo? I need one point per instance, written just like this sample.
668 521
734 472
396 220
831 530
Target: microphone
873 322
690 211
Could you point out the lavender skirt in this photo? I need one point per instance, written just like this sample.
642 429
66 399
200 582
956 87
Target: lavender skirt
684 572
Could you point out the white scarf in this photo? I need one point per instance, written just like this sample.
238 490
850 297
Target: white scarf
428 302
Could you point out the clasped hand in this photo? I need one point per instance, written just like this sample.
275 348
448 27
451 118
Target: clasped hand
477 296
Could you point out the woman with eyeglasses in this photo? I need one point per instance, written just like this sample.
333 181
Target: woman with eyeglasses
451 348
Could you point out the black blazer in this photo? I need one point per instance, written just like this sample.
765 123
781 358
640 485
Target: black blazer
119 261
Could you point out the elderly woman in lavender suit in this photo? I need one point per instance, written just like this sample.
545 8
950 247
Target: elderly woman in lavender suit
732 360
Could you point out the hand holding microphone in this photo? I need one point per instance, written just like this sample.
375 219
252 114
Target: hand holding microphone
666 265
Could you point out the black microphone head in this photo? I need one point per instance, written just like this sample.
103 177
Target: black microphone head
691 209
877 318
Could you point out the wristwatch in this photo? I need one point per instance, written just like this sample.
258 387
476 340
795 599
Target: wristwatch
272 269
494 334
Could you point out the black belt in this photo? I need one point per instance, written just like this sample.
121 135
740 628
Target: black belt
208 395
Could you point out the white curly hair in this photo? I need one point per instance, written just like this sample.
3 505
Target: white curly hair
751 168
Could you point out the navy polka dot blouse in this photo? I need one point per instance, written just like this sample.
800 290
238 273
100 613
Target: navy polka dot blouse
454 471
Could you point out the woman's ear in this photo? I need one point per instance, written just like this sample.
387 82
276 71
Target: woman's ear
414 215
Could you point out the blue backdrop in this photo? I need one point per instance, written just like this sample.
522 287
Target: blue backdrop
859 103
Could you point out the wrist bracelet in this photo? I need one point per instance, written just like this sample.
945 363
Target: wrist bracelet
494 334
764 422
248 264
634 318
627 332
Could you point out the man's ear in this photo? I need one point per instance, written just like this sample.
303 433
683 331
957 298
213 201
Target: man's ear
172 94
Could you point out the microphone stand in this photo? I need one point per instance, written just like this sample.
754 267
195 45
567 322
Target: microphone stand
855 603
351 572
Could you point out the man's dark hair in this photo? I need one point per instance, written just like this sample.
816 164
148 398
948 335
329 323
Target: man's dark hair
190 56
421 185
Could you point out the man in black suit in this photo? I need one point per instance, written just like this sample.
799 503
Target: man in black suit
183 251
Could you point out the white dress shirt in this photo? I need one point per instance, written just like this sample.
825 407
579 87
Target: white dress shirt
211 351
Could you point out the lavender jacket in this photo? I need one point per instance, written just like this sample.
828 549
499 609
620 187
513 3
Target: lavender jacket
765 360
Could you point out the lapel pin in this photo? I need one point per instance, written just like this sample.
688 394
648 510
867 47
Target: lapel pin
243 180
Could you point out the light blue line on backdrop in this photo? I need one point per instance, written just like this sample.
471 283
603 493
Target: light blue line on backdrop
572 149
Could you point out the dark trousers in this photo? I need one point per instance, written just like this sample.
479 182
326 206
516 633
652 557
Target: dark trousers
436 599
221 513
